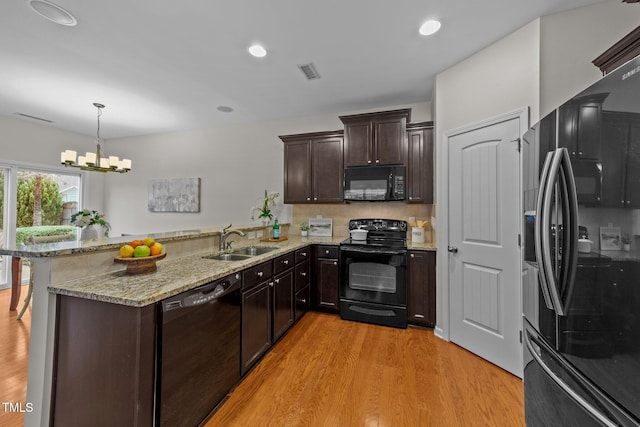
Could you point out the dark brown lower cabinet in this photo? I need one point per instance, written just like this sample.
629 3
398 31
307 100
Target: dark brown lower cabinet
302 302
283 315
327 279
256 324
104 364
421 292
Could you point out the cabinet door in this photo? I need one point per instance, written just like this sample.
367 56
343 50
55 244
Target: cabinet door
420 166
327 284
297 172
589 125
421 293
282 303
358 143
256 324
327 170
616 134
389 141
632 182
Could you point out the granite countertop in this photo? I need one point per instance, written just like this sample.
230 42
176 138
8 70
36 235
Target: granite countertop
179 274
174 275
633 256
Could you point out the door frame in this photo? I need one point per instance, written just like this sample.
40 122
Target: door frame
442 329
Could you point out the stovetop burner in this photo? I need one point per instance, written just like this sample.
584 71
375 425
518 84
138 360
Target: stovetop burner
383 233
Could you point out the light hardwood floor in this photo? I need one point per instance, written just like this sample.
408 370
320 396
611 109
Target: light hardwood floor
14 348
329 372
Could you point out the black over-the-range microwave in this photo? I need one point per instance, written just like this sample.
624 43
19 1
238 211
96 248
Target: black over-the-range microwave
374 183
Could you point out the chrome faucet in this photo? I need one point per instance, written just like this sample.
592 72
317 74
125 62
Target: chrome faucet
223 237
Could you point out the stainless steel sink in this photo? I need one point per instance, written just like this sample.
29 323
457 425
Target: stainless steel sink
228 257
254 250
242 253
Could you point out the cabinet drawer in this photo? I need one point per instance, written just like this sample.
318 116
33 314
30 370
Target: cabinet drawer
257 274
283 262
302 275
302 254
302 302
326 251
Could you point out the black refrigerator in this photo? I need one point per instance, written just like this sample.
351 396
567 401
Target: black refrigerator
581 266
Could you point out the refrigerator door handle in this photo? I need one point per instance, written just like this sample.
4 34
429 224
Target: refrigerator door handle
570 234
537 239
530 336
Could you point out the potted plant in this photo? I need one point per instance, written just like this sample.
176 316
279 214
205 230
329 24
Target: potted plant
91 223
304 229
626 242
264 211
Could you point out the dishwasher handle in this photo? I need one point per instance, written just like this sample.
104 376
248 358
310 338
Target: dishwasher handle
203 294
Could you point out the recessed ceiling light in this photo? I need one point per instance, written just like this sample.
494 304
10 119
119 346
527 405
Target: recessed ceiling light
225 109
52 12
258 51
429 27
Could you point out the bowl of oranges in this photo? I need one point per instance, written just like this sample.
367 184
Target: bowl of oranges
140 256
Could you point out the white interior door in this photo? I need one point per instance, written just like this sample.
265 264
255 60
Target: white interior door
484 253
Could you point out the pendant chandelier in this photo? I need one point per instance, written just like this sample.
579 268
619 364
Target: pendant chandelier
98 161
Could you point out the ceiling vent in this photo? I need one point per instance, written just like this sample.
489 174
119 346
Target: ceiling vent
33 117
309 71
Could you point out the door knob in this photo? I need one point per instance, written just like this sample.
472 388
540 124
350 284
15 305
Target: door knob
452 249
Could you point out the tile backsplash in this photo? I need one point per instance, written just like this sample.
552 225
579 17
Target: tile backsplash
594 218
341 214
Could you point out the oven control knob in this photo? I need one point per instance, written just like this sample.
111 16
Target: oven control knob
452 249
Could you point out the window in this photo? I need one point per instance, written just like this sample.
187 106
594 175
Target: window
36 202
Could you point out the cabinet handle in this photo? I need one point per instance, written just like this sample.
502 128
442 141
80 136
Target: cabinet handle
303 254
237 276
377 161
335 262
277 280
308 198
303 274
413 255
573 153
327 252
369 161
410 198
285 262
419 316
271 284
579 153
304 300
260 274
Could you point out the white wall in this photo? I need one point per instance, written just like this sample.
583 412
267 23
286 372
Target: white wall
499 79
37 144
570 40
236 164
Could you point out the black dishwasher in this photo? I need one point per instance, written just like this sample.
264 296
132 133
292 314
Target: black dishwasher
198 351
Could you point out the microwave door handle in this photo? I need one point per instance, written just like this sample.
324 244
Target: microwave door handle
570 231
542 275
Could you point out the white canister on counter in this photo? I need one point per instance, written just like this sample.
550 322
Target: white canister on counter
417 234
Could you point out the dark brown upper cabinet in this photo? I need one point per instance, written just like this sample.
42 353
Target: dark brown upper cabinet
420 162
376 138
581 118
313 167
621 52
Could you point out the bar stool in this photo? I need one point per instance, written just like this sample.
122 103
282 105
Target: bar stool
32 240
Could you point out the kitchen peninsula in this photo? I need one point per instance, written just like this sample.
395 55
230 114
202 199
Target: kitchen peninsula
83 274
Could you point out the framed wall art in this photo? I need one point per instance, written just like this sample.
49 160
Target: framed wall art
610 239
174 195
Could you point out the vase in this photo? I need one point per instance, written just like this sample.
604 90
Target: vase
304 233
627 247
90 232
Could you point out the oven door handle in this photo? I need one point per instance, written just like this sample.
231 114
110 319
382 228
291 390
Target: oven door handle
374 251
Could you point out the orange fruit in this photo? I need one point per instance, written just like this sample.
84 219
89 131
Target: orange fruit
126 251
156 248
135 243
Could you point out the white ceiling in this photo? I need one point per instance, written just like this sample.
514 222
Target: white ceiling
165 65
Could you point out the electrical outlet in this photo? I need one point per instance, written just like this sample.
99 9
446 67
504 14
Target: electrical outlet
251 235
259 234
